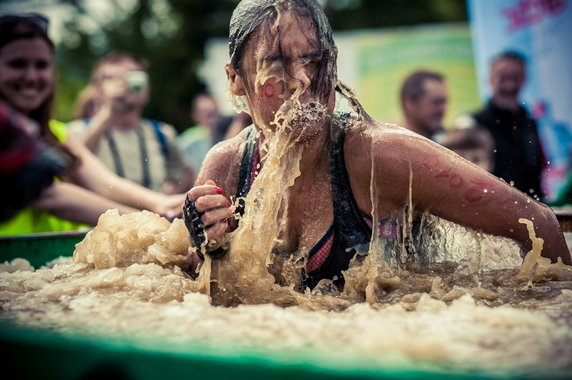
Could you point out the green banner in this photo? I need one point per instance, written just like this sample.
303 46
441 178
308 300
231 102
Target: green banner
385 57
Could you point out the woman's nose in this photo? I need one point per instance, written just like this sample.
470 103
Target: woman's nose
31 73
300 79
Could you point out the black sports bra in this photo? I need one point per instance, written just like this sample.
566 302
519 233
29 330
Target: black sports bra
350 231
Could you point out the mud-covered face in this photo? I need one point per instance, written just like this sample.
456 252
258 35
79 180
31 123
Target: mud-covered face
279 66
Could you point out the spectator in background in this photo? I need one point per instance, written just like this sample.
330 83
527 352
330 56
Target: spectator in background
518 159
111 126
424 99
87 188
239 122
474 144
196 141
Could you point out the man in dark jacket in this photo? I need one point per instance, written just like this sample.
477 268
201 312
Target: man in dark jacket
518 152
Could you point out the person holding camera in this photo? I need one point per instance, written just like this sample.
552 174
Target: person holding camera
111 125
49 182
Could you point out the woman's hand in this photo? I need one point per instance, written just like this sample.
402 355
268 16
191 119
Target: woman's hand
207 212
172 207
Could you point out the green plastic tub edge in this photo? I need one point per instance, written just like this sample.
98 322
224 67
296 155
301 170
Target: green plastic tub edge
48 355
40 248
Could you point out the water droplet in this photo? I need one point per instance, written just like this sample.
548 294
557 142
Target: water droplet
511 230
511 183
485 190
494 150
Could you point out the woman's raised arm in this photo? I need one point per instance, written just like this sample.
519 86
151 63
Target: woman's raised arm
455 189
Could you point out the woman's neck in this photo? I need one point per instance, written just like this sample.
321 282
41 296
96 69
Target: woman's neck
314 151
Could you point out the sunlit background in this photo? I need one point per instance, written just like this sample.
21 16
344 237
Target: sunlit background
173 36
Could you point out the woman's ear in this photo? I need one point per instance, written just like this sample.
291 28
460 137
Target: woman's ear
235 82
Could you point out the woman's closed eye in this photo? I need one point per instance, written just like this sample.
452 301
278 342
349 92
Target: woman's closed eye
311 59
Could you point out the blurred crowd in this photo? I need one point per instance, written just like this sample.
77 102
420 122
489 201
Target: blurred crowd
60 176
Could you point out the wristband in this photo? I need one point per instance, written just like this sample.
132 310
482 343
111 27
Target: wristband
193 222
196 229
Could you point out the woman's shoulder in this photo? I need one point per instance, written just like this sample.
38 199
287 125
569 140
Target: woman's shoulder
386 143
222 162
363 133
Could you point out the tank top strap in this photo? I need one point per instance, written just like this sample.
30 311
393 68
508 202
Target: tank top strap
248 166
350 224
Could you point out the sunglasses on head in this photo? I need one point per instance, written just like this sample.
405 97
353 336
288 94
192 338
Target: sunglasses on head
34 18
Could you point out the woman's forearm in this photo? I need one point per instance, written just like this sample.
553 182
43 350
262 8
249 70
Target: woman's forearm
93 175
454 189
71 202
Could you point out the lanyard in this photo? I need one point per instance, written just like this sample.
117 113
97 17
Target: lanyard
146 178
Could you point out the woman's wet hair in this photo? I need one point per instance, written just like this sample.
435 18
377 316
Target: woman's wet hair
250 15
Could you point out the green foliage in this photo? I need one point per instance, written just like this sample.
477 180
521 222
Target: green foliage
363 14
171 35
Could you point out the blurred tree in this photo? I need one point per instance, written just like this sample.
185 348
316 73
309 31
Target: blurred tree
171 36
361 14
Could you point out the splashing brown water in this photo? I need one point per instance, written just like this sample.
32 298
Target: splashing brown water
470 305
447 315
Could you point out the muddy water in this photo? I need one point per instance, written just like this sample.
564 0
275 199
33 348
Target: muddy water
441 297
454 300
125 281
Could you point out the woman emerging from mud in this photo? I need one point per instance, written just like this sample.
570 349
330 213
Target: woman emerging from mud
303 183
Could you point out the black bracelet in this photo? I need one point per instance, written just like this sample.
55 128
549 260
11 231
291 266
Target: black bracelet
196 229
193 222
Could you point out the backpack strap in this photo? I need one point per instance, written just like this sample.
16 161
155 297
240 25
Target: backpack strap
156 126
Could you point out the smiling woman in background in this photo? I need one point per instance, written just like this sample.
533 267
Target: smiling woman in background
86 188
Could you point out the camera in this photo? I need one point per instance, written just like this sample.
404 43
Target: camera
137 81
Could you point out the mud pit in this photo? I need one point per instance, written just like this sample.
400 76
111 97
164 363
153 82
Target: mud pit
125 282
